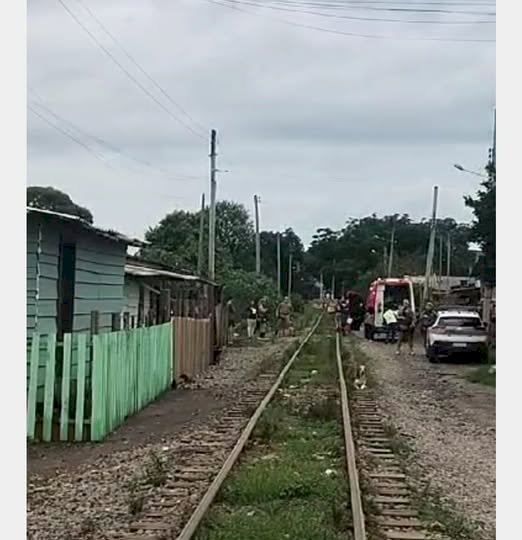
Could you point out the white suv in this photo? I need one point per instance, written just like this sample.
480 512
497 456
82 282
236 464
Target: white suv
456 331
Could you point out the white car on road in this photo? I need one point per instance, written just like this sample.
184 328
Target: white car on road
456 331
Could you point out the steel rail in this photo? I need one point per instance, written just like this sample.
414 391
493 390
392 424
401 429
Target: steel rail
203 506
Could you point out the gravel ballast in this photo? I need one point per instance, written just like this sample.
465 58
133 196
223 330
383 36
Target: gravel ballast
85 489
449 423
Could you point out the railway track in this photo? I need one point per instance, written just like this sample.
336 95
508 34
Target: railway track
199 462
203 466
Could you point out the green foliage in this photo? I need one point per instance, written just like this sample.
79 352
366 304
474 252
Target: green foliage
174 241
356 253
49 198
483 228
243 287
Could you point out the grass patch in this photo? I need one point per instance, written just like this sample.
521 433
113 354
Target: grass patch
291 483
484 375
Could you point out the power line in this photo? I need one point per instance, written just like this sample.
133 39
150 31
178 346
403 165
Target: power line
349 34
389 8
350 17
129 75
68 135
135 62
113 148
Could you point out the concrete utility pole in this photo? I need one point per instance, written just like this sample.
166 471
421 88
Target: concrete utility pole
289 275
279 263
431 246
392 242
258 240
201 232
212 209
441 248
448 263
384 260
333 280
321 285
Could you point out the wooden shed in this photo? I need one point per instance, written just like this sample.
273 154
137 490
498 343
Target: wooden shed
73 269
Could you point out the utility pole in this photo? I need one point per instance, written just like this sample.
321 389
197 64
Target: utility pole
201 231
258 240
333 280
392 242
384 260
321 285
289 275
448 263
279 263
212 209
431 246
441 248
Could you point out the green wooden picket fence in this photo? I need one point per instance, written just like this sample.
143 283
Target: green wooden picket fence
80 391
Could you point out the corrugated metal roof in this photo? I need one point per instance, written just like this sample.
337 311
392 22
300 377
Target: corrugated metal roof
147 271
113 235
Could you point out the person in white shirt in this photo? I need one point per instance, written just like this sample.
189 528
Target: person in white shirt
390 319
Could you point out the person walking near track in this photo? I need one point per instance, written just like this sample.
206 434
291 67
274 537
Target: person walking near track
406 321
284 310
251 319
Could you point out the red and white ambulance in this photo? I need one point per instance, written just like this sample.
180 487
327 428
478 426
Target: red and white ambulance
384 292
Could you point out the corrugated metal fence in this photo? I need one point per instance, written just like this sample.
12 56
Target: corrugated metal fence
86 386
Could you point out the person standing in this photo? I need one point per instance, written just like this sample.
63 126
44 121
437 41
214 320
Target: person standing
427 319
390 319
344 306
262 311
251 319
284 310
406 322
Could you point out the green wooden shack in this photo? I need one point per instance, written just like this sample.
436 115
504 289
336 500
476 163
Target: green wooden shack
73 269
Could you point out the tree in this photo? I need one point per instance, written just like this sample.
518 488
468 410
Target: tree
174 241
483 229
49 198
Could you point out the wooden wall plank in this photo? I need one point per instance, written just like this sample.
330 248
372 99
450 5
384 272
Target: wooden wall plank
66 387
33 384
49 388
80 387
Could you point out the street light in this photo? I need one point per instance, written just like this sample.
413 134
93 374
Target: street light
462 169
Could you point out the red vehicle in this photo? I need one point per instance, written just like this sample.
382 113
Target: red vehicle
384 292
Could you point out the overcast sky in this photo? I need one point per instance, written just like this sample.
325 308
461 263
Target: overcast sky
322 126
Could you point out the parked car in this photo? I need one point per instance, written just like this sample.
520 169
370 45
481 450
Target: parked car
455 332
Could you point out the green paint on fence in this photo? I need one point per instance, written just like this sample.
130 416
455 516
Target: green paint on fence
66 387
49 388
130 369
33 383
80 387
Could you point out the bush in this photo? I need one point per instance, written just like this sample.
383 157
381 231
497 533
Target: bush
297 303
243 287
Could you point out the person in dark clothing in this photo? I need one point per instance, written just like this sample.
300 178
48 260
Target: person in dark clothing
427 319
344 307
406 321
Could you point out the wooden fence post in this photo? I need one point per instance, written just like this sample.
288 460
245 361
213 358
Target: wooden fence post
164 305
115 322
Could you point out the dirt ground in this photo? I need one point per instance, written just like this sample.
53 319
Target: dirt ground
162 419
448 421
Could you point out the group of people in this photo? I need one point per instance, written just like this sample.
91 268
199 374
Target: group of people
401 323
349 313
257 318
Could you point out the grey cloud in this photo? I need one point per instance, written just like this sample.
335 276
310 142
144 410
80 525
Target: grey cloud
320 126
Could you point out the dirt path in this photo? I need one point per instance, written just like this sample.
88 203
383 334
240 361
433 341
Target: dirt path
449 422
